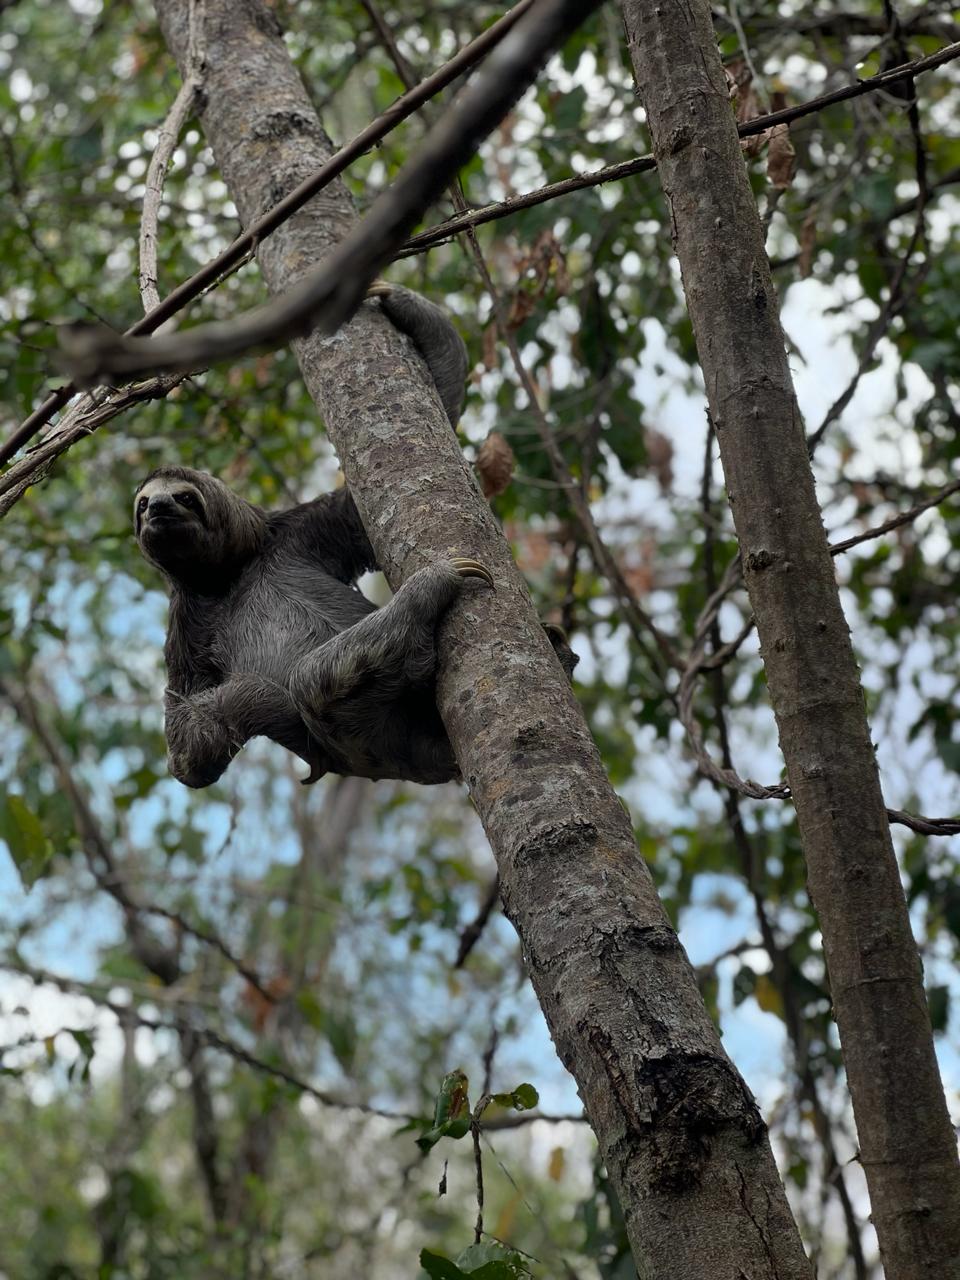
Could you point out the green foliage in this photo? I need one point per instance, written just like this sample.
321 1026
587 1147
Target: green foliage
523 1098
29 846
486 1261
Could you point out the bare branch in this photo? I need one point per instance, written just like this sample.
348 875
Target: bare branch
643 164
329 295
474 930
156 172
92 410
698 661
905 517
242 248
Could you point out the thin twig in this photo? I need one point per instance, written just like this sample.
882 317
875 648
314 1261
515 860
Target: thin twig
478 1166
214 1039
706 765
183 105
91 411
905 517
100 855
643 164
698 661
474 930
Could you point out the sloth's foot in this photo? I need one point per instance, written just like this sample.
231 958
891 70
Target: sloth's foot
472 569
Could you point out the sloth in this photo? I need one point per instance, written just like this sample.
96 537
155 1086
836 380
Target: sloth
269 635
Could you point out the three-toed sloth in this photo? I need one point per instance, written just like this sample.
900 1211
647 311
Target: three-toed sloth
268 634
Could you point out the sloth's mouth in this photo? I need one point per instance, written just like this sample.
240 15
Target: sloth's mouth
165 515
164 520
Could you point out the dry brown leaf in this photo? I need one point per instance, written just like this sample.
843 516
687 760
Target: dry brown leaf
542 266
494 465
746 103
522 307
261 1004
781 157
659 457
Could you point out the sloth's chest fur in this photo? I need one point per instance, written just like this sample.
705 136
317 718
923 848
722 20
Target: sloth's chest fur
278 611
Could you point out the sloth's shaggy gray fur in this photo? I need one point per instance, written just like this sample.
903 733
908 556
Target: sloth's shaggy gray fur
269 636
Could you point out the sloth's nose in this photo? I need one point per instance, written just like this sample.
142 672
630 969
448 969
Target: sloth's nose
161 502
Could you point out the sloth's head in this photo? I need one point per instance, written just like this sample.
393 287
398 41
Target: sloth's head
194 528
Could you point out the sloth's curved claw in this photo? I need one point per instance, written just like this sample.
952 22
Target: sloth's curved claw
472 569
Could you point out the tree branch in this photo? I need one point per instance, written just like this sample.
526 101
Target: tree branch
643 164
241 248
260 228
329 295
156 171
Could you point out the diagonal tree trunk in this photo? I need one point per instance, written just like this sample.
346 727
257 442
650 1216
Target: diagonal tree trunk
679 1131
908 1147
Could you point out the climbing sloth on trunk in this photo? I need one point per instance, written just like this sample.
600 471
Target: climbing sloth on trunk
269 635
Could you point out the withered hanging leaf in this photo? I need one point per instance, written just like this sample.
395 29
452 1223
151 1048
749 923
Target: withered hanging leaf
522 307
495 463
739 77
540 268
781 157
659 457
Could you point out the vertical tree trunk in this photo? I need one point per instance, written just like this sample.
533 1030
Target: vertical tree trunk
679 1131
907 1143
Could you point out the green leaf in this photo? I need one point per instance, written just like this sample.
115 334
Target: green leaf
523 1098
491 1260
744 984
438 1267
452 1115
498 1271
23 833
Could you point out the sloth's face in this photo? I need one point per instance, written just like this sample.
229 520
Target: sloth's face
171 521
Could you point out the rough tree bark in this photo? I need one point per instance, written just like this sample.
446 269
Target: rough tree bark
678 1129
907 1144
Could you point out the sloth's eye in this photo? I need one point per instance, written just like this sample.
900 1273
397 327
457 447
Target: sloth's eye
142 504
187 499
